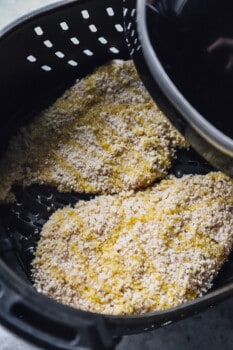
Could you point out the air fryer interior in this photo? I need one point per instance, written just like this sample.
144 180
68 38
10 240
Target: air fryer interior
40 57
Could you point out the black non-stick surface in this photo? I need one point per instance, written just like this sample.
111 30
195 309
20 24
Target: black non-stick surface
24 219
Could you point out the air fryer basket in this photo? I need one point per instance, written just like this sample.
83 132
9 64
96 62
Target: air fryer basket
40 56
155 44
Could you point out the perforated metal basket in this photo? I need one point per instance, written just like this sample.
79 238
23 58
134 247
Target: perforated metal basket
40 56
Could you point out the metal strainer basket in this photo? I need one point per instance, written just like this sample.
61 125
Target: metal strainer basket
40 56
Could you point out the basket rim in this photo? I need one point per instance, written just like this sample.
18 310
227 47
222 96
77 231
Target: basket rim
37 299
204 128
40 11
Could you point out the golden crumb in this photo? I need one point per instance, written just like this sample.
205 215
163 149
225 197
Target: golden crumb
104 135
138 252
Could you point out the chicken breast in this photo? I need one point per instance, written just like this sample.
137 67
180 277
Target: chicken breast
138 252
104 135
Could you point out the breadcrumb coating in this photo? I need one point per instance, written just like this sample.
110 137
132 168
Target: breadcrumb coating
104 135
138 252
139 246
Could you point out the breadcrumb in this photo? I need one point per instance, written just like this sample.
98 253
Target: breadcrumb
104 135
138 252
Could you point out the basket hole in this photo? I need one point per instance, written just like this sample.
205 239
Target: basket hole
46 68
63 201
35 213
132 52
129 25
31 58
88 52
24 218
132 33
114 50
74 40
133 12
93 28
59 54
44 192
38 30
119 27
179 173
85 14
15 211
138 48
110 11
48 43
72 63
64 26
125 11
102 40
40 222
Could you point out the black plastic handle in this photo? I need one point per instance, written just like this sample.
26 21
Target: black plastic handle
25 316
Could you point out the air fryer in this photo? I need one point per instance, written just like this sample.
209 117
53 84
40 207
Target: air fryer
32 77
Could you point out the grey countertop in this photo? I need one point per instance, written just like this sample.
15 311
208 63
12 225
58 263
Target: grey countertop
211 329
